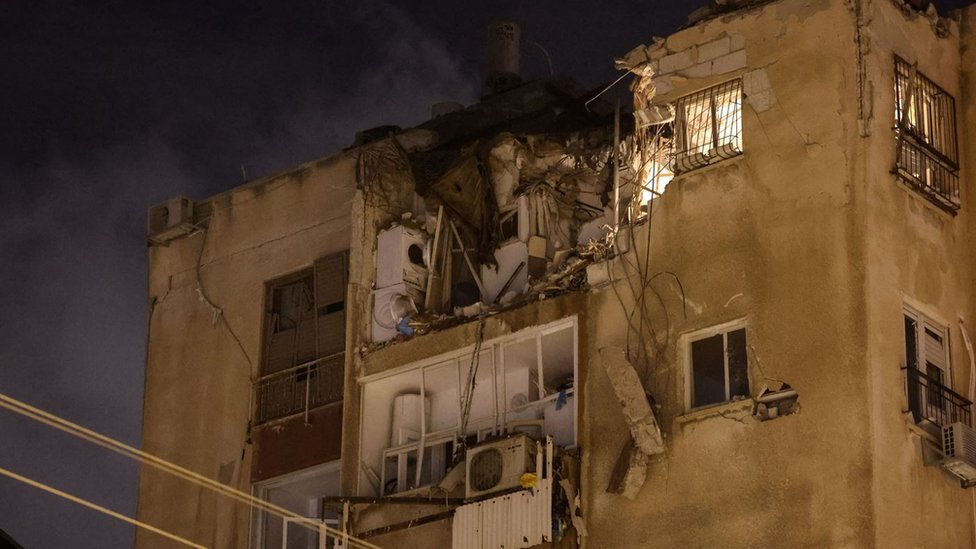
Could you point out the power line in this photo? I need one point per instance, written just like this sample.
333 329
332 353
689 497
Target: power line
96 507
146 458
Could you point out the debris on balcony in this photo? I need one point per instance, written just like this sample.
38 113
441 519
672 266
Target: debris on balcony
505 218
771 404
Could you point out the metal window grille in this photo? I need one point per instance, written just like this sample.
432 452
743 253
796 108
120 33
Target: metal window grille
708 126
925 124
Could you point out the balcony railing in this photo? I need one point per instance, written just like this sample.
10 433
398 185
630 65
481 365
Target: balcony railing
299 389
923 171
931 401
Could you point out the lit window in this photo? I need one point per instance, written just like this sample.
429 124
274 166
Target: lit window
708 126
719 366
925 125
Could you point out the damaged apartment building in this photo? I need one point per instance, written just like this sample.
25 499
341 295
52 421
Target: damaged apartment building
736 311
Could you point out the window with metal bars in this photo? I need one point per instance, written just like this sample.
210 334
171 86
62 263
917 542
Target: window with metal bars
708 126
925 125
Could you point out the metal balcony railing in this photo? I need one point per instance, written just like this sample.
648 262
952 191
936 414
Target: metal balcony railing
929 400
925 126
299 389
931 177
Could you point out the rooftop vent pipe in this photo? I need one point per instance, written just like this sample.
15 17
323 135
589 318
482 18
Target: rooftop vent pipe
504 44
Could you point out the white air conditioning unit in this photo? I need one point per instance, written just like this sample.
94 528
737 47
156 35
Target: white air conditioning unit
171 220
402 254
959 450
498 465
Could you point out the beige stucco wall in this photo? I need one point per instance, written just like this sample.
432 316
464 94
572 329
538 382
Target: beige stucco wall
917 252
772 237
196 408
807 236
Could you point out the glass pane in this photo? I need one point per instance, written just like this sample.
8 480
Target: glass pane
698 126
441 390
728 118
738 364
558 361
481 413
708 371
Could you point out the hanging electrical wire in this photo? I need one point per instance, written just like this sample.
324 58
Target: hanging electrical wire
109 443
99 508
470 385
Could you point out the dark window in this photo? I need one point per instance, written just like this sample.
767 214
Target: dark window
720 368
304 339
925 125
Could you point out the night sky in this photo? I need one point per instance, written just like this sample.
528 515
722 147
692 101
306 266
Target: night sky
107 108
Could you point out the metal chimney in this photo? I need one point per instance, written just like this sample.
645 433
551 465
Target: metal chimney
504 38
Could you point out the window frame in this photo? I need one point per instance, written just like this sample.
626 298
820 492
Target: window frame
689 338
493 354
927 136
687 157
924 320
314 373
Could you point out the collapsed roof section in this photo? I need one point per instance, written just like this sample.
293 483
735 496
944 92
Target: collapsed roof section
505 192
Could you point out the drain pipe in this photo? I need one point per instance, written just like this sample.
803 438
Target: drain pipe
972 358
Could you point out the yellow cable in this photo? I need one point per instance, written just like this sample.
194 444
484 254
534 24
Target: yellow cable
61 424
97 507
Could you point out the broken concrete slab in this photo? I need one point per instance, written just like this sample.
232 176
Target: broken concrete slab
629 473
630 392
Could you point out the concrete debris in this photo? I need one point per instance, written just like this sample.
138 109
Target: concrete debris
630 392
630 472
771 404
506 218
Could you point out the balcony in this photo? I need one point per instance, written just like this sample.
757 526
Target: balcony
932 403
299 389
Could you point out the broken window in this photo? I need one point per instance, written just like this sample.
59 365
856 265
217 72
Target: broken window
925 127
931 398
304 339
708 126
652 166
415 418
719 366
